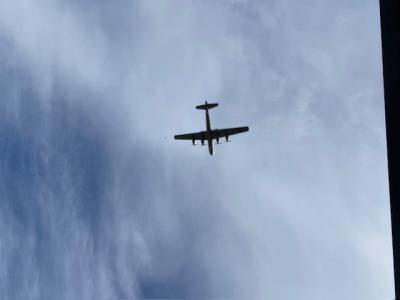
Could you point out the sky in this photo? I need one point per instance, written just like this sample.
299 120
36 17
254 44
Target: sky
97 201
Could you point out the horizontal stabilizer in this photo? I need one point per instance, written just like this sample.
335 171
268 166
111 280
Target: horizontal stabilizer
207 106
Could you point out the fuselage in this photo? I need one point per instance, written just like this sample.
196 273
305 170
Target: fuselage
208 134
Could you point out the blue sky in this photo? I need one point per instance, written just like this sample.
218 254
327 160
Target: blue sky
99 202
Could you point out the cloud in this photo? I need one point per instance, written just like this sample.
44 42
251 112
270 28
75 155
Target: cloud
99 202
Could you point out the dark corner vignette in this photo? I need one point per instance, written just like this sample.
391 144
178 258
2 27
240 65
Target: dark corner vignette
390 31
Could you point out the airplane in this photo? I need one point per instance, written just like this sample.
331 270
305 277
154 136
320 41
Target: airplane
210 134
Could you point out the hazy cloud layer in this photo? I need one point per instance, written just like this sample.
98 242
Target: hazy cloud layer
98 201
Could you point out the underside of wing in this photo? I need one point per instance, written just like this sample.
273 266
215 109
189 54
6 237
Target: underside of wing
226 132
191 136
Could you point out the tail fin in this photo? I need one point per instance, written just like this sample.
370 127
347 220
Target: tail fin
207 106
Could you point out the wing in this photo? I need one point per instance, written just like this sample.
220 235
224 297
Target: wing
218 133
192 136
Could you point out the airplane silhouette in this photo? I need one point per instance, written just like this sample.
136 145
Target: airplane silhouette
210 134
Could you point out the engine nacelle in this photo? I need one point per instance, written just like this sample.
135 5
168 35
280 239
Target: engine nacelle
193 142
227 138
203 137
217 136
